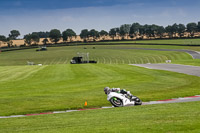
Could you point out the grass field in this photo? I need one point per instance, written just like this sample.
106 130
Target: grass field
31 89
127 45
166 118
58 85
195 62
102 54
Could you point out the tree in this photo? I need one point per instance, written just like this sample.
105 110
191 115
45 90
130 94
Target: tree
14 34
181 30
69 33
174 29
113 33
84 34
160 31
42 34
124 30
45 41
3 39
9 42
117 32
55 35
192 28
32 38
103 33
198 26
169 30
95 34
142 31
148 30
28 39
134 30
35 38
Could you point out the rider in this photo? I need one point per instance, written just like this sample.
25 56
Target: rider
107 90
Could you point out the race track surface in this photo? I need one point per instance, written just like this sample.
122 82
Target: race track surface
186 69
176 100
194 54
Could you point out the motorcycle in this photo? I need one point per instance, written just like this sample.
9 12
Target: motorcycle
119 100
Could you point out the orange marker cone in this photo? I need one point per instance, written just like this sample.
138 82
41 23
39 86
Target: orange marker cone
85 103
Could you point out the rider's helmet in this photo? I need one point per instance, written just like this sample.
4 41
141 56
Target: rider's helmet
107 90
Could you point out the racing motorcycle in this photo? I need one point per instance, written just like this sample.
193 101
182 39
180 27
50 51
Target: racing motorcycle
119 100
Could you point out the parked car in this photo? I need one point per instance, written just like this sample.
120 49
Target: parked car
42 49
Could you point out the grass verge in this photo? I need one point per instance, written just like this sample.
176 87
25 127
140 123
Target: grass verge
168 118
33 89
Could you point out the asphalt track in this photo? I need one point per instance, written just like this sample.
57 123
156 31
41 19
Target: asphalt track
186 69
176 100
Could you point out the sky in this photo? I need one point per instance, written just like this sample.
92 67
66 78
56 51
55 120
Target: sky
29 16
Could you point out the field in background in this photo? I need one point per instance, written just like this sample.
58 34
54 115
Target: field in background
169 41
181 42
114 54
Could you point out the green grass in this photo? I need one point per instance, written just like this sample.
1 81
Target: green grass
31 89
172 41
102 54
165 118
58 85
195 62
195 48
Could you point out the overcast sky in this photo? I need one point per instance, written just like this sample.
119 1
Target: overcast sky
29 16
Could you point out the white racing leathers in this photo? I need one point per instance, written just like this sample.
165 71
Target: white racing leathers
123 91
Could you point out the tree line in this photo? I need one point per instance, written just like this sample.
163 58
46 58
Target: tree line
133 31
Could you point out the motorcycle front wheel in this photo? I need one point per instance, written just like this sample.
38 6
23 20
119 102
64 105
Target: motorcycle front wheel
138 101
116 102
